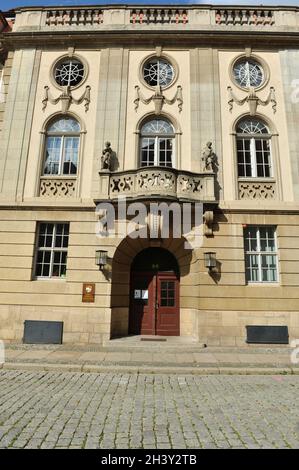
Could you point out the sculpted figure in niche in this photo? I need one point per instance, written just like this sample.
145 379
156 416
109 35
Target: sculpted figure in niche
107 157
208 157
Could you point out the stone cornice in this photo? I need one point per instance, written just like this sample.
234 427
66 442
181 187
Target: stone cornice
125 37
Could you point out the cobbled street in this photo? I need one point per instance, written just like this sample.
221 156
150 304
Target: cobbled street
74 410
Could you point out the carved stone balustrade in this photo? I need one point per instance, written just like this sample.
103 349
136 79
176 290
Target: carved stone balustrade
51 186
74 17
159 15
257 189
240 17
158 182
138 17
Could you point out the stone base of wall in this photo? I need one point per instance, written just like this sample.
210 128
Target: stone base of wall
228 328
80 326
84 326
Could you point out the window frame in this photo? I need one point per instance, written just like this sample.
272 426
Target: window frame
63 136
259 254
67 57
254 58
159 61
253 138
158 137
53 249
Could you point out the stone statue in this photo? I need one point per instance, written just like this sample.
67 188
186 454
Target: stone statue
208 157
107 156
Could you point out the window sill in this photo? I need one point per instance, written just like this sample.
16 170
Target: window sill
58 279
263 284
59 177
256 178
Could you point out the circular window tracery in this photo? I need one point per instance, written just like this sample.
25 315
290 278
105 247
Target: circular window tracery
69 72
248 73
158 72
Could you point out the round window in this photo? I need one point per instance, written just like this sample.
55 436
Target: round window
248 73
158 72
69 72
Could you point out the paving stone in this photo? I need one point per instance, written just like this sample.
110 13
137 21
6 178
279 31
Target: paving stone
120 410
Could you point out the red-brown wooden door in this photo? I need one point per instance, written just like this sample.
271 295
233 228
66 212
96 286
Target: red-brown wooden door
154 304
167 305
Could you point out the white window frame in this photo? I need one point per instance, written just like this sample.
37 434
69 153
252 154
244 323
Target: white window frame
51 249
62 136
157 138
253 160
259 255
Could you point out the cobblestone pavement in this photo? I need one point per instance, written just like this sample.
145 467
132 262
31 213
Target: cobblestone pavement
76 410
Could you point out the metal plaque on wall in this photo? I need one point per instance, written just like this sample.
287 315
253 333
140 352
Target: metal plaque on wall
88 292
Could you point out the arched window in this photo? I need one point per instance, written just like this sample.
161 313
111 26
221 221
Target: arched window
253 149
157 143
62 147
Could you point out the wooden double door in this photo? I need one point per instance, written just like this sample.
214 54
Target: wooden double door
154 304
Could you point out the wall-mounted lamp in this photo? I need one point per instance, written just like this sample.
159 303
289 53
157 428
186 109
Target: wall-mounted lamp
210 260
101 258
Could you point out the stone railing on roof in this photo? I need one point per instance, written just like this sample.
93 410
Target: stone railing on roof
240 17
194 17
159 16
74 17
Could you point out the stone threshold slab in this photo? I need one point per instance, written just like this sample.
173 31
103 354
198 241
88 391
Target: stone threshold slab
45 367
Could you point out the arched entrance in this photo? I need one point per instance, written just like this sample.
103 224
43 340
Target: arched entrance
154 294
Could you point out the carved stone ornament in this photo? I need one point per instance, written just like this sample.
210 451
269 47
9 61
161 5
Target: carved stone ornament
208 157
66 98
158 99
208 219
252 99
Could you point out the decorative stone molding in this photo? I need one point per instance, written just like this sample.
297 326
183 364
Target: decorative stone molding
252 99
158 99
152 181
189 185
159 16
156 182
240 17
257 190
122 185
208 218
57 187
66 98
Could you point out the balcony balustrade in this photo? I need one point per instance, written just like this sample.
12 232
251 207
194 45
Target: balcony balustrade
157 182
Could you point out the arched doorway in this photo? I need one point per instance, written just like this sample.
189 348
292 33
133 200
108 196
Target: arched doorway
154 294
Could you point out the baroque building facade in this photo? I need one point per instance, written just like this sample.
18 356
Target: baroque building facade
196 107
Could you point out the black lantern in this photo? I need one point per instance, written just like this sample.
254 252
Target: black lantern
210 260
101 258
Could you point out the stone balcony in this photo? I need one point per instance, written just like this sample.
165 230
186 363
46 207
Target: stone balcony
158 183
134 18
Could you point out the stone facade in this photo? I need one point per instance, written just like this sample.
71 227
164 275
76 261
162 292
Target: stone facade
113 43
